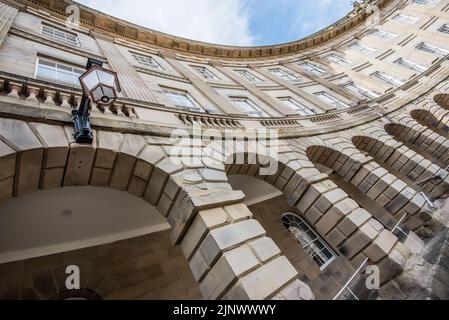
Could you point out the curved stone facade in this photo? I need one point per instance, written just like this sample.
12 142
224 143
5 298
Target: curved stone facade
350 125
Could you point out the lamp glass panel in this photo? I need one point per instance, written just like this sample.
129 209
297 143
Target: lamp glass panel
106 78
91 80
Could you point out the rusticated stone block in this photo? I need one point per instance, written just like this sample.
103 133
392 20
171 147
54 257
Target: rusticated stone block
203 222
264 248
264 282
188 203
295 291
228 268
229 236
356 243
238 212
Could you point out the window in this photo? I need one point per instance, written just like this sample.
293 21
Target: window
147 61
337 59
316 247
283 74
387 78
60 35
362 48
313 68
248 76
182 99
249 107
51 70
299 107
326 97
355 88
423 46
384 34
444 28
427 2
205 72
410 65
405 18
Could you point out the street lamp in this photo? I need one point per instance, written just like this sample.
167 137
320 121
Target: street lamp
99 86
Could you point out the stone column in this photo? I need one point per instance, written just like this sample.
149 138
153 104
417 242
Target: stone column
132 84
7 16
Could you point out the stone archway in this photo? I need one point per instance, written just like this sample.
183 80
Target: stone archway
208 219
429 120
421 140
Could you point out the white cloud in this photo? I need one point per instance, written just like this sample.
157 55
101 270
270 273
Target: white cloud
223 22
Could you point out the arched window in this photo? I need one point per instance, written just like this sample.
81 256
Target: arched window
316 247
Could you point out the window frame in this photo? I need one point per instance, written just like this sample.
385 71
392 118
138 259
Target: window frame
382 34
286 75
257 110
298 106
74 67
356 45
213 75
440 52
248 76
311 247
340 105
408 19
410 65
359 90
153 64
168 92
388 79
338 59
444 28
313 68
53 36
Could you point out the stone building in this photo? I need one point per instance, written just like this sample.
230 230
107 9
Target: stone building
356 173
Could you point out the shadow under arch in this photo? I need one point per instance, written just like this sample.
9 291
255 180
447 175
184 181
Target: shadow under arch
341 169
429 120
442 100
420 142
402 166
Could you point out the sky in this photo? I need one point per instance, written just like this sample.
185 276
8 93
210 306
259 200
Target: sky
229 22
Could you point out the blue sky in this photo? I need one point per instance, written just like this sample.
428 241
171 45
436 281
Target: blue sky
231 22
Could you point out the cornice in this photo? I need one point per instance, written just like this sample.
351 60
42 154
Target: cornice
116 28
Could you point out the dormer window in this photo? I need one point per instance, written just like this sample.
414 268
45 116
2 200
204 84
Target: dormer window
57 34
147 61
249 76
384 34
337 59
362 48
313 68
405 18
205 72
284 74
